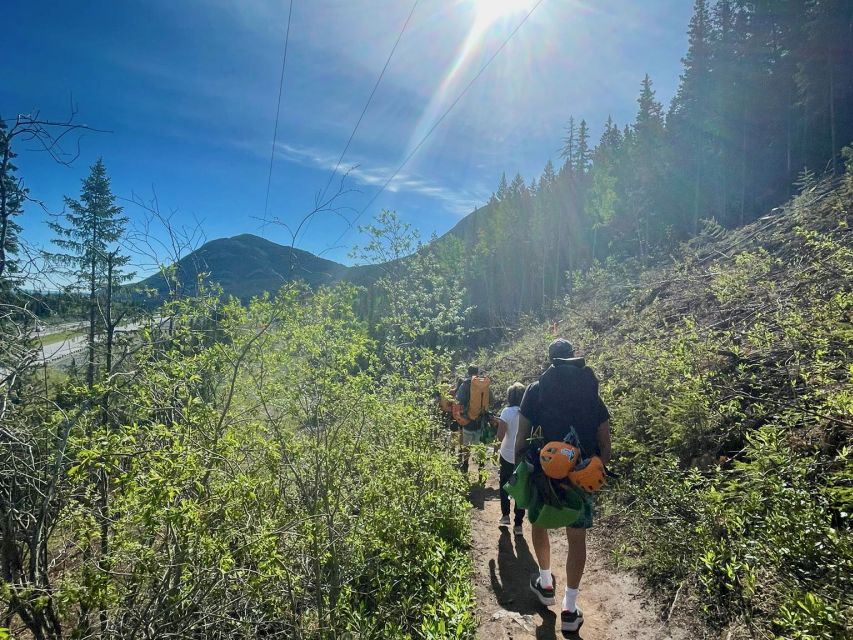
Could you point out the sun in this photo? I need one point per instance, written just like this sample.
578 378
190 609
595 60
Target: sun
489 11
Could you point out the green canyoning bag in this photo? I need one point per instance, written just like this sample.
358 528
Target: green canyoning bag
519 486
554 507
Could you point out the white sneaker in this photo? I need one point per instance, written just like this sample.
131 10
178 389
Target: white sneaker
504 521
518 530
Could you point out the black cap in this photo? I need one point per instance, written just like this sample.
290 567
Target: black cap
560 349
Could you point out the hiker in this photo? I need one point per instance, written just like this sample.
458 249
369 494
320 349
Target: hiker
471 411
507 430
565 397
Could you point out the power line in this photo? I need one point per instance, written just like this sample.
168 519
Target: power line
369 99
438 121
277 111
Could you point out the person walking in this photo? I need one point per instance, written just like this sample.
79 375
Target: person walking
565 397
469 434
507 430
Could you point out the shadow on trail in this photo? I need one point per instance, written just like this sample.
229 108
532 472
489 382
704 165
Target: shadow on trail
509 579
478 494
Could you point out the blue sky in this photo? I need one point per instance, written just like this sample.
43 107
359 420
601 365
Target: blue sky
188 90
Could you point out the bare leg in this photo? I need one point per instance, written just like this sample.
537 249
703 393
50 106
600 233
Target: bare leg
542 546
576 558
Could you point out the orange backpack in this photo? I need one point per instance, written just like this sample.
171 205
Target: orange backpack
479 402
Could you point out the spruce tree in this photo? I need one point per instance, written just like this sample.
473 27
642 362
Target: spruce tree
12 196
647 164
569 146
517 188
825 79
503 191
93 227
582 156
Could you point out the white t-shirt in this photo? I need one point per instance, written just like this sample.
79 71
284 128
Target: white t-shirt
510 416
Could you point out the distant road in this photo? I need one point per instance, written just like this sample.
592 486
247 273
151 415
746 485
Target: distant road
47 330
76 344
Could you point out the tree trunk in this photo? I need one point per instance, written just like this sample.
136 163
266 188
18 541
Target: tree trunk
4 215
832 130
90 369
743 171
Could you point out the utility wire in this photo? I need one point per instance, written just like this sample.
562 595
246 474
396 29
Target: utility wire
438 122
369 99
277 112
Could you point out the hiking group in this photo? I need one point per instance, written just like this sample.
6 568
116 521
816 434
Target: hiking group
554 440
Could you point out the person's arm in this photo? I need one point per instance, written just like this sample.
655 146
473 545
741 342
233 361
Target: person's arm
604 441
521 436
502 427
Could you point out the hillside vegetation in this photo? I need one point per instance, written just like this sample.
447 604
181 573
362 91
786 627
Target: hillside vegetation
728 371
245 472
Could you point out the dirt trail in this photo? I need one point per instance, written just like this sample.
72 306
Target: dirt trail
614 604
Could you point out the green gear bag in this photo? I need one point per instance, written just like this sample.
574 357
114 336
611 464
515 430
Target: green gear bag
519 487
551 511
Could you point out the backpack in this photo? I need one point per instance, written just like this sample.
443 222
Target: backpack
478 404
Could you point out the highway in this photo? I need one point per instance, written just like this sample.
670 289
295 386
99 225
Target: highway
76 344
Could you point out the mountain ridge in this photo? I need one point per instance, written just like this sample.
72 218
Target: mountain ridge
247 265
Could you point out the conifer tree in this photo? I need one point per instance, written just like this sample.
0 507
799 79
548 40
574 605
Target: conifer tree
582 156
517 188
503 191
825 77
688 114
546 181
569 145
12 196
93 227
647 163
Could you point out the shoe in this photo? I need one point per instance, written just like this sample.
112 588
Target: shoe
571 621
518 530
545 594
504 521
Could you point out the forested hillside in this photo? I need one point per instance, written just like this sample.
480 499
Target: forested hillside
765 96
729 376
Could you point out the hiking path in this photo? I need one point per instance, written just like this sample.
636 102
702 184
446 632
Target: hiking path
615 605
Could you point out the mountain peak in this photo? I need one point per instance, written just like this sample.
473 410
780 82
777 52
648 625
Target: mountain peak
247 265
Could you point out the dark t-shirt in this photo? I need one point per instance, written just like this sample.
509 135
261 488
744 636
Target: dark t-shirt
566 396
463 393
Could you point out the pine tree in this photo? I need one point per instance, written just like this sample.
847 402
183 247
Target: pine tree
582 157
647 164
503 191
569 145
93 227
725 91
546 181
12 196
517 188
688 119
825 79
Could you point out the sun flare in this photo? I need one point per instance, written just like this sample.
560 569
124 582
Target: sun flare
489 11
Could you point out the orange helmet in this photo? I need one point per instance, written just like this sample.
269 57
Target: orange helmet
558 459
589 476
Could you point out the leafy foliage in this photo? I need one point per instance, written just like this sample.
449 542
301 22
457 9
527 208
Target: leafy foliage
260 483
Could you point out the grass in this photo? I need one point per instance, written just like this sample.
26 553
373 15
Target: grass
60 336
